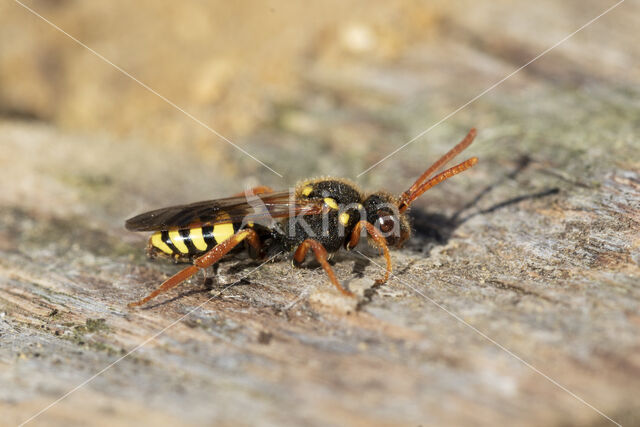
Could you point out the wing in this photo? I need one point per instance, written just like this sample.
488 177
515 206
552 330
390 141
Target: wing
258 208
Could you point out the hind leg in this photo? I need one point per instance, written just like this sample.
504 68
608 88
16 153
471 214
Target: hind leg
208 259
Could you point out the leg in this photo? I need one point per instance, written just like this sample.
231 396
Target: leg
214 255
321 255
255 190
379 241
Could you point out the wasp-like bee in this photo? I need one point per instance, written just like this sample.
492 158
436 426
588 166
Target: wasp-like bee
322 215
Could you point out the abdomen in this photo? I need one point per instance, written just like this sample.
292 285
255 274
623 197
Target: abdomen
190 241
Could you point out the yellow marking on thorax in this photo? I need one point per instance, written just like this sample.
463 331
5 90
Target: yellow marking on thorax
223 231
307 190
157 242
178 241
331 203
344 218
198 239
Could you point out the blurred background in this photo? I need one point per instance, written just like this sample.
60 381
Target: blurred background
538 244
326 89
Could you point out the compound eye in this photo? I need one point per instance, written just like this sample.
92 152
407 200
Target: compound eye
386 223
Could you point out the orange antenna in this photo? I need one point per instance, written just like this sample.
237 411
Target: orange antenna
420 186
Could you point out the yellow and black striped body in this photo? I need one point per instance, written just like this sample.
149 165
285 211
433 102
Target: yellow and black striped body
190 241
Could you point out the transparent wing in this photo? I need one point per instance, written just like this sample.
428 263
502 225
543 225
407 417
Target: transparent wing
257 208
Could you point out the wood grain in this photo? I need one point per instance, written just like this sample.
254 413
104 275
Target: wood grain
537 247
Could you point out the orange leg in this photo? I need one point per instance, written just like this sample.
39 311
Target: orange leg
214 255
256 190
379 240
321 255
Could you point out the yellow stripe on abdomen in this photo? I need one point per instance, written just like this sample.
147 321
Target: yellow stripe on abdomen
195 234
223 230
157 242
178 241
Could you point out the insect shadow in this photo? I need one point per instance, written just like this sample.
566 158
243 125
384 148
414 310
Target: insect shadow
209 284
209 287
433 229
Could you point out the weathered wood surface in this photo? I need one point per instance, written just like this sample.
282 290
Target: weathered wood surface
537 248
